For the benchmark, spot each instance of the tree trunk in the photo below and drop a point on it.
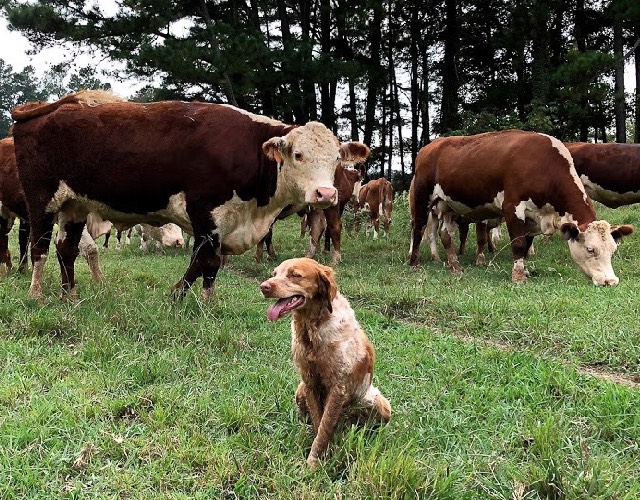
(326, 101)
(449, 116)
(637, 65)
(295, 111)
(353, 111)
(375, 37)
(579, 34)
(308, 85)
(413, 55)
(620, 108)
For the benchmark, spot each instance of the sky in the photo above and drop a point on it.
(14, 48)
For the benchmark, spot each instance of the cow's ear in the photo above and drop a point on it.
(619, 231)
(570, 231)
(354, 152)
(274, 148)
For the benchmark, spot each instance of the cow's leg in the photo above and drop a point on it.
(517, 234)
(89, 250)
(5, 256)
(67, 246)
(419, 221)
(463, 229)
(481, 241)
(431, 233)
(317, 224)
(106, 239)
(23, 242)
(206, 258)
(388, 209)
(334, 232)
(39, 239)
(303, 225)
(356, 218)
(260, 247)
(375, 222)
(448, 229)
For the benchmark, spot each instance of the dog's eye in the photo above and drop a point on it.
(273, 274)
(295, 274)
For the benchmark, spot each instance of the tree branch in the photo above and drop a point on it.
(632, 50)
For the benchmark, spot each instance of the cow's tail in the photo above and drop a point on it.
(84, 97)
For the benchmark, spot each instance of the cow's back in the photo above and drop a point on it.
(609, 171)
(133, 156)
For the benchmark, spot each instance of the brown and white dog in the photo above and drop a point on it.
(330, 350)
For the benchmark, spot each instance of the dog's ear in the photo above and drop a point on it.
(327, 288)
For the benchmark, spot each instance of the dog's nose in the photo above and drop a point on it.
(265, 288)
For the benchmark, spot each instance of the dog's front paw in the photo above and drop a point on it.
(312, 461)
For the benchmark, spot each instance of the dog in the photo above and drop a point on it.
(330, 350)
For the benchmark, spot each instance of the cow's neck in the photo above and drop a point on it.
(576, 207)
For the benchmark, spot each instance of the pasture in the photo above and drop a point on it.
(127, 394)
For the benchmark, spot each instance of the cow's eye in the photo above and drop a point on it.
(298, 156)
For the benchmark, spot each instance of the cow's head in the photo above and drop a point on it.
(172, 235)
(307, 158)
(593, 247)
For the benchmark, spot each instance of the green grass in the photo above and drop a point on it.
(127, 394)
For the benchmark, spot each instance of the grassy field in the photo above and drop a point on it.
(127, 394)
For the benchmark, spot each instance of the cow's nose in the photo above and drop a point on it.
(611, 281)
(327, 195)
(265, 288)
(179, 243)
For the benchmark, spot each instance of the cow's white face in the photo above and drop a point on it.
(172, 235)
(307, 158)
(593, 248)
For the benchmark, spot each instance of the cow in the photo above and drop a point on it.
(610, 172)
(317, 220)
(376, 196)
(169, 235)
(329, 220)
(221, 173)
(97, 227)
(13, 205)
(526, 177)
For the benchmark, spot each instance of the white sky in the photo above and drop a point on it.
(14, 47)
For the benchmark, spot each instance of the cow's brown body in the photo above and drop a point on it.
(610, 172)
(526, 177)
(329, 219)
(319, 220)
(377, 195)
(220, 173)
(12, 205)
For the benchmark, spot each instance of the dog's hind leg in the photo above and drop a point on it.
(330, 417)
(374, 407)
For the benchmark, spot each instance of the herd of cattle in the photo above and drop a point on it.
(92, 162)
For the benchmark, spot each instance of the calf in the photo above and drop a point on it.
(169, 235)
(526, 177)
(376, 196)
(220, 173)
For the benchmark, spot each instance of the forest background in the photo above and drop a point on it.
(392, 73)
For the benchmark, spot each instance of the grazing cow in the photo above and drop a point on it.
(97, 227)
(329, 220)
(610, 172)
(13, 204)
(220, 173)
(169, 235)
(376, 196)
(526, 177)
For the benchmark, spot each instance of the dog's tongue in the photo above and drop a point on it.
(282, 307)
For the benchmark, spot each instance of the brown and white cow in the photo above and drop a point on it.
(329, 220)
(526, 177)
(610, 172)
(376, 196)
(169, 235)
(317, 220)
(220, 173)
(13, 205)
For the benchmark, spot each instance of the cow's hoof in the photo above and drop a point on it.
(70, 295)
(207, 294)
(414, 261)
(519, 276)
(179, 290)
(481, 260)
(436, 258)
(456, 269)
